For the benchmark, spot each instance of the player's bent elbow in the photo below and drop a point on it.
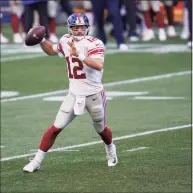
(51, 52)
(99, 65)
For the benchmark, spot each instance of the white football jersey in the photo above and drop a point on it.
(83, 80)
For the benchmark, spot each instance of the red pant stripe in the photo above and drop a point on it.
(103, 95)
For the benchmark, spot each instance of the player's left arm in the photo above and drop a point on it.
(93, 62)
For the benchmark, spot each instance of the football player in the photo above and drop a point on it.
(189, 5)
(52, 11)
(17, 13)
(84, 57)
(149, 34)
(3, 39)
(168, 4)
(185, 29)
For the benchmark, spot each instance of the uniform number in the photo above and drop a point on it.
(91, 39)
(76, 71)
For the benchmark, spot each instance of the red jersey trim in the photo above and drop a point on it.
(96, 51)
(59, 47)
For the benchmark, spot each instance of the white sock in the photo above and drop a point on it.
(110, 146)
(185, 20)
(40, 155)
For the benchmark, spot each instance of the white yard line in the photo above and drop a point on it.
(98, 142)
(129, 81)
(136, 149)
(157, 98)
(70, 150)
(143, 79)
(23, 57)
(28, 52)
(35, 150)
(35, 95)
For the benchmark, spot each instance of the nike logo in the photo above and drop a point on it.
(94, 99)
(34, 35)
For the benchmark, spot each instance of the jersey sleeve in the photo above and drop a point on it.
(96, 49)
(58, 49)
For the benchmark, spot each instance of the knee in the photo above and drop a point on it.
(97, 113)
(60, 122)
(58, 125)
(168, 3)
(144, 6)
(98, 118)
(53, 131)
(98, 126)
(156, 6)
(156, 9)
(52, 9)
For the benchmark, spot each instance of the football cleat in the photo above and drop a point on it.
(162, 34)
(189, 44)
(112, 159)
(23, 35)
(3, 39)
(148, 35)
(53, 38)
(171, 31)
(133, 38)
(32, 166)
(185, 34)
(17, 38)
(123, 47)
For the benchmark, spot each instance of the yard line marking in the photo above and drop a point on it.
(61, 150)
(98, 142)
(135, 48)
(143, 79)
(137, 148)
(109, 95)
(23, 57)
(70, 150)
(36, 95)
(6, 93)
(129, 81)
(156, 98)
(2, 146)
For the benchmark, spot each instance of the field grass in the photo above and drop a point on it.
(163, 164)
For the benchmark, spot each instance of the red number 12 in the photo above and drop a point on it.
(73, 73)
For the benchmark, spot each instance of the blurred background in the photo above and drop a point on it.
(119, 20)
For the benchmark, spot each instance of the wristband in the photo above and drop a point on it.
(43, 40)
(81, 57)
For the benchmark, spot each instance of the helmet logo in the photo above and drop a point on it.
(79, 19)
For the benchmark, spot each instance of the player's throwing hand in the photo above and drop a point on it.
(73, 51)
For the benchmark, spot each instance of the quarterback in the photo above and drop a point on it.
(84, 57)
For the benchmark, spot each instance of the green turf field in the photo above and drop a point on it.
(148, 110)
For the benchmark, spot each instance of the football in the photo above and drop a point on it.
(35, 35)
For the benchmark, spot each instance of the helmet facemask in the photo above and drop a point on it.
(78, 37)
